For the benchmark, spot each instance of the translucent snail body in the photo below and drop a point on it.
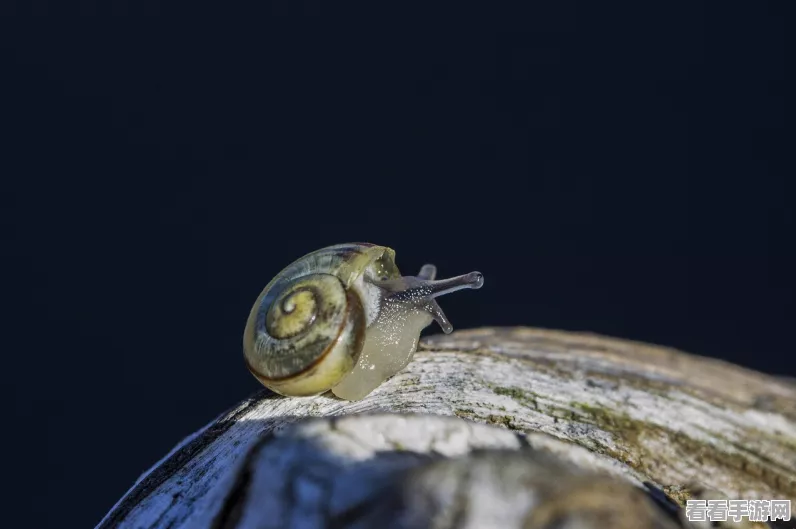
(342, 319)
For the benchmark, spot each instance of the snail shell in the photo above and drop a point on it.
(342, 318)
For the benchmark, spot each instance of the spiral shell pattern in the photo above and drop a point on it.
(307, 327)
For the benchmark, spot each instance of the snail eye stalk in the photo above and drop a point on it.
(420, 291)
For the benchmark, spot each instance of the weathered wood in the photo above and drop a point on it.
(488, 428)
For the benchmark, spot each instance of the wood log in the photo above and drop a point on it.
(492, 427)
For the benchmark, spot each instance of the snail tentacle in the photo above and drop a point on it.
(427, 272)
(422, 289)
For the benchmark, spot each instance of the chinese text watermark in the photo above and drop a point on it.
(737, 510)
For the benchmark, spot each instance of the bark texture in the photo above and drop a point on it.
(493, 427)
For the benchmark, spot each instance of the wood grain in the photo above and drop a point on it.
(493, 427)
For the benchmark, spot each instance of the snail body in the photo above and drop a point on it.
(343, 319)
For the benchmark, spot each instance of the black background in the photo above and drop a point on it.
(620, 170)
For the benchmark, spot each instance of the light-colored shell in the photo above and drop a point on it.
(307, 327)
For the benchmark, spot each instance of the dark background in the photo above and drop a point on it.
(621, 170)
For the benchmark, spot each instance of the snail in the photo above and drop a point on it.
(343, 319)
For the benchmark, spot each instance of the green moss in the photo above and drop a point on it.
(502, 420)
(514, 393)
(633, 436)
(524, 397)
(608, 420)
(464, 413)
(678, 493)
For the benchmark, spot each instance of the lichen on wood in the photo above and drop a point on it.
(482, 429)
